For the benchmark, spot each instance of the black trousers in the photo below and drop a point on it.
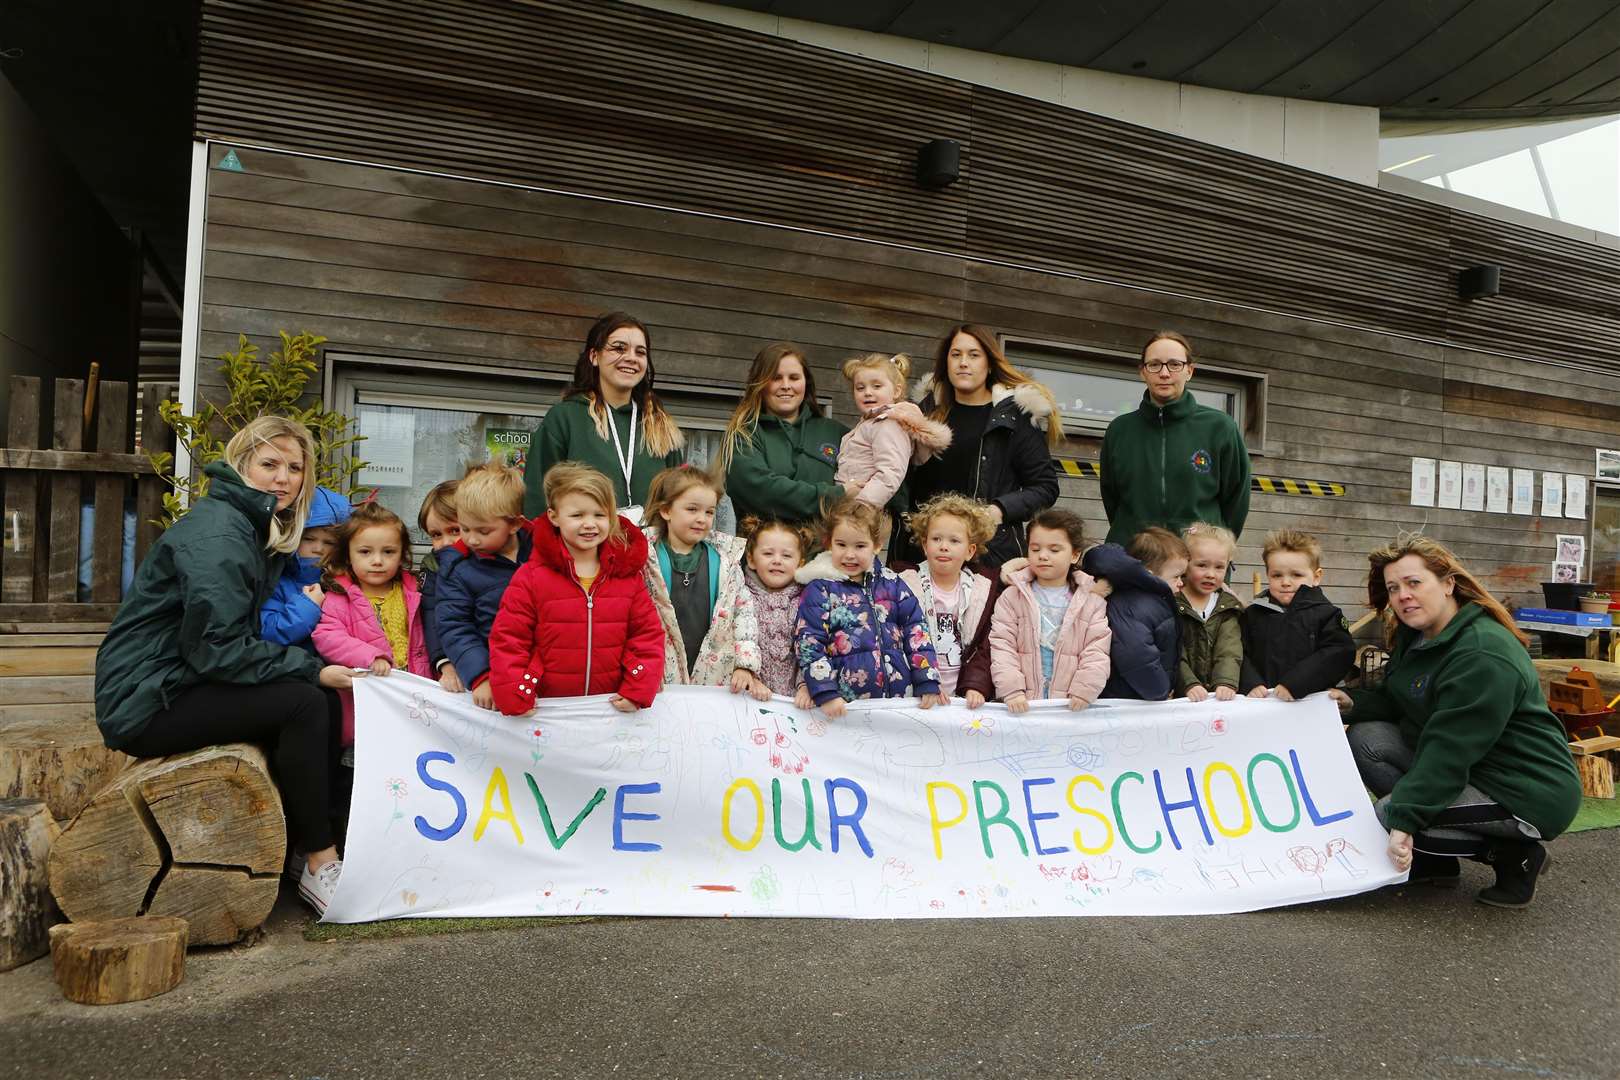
(296, 723)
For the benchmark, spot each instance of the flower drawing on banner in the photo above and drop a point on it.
(978, 724)
(422, 711)
(538, 738)
(397, 790)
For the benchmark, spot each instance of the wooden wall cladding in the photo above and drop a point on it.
(392, 264)
(626, 102)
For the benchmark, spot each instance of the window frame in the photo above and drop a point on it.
(1035, 354)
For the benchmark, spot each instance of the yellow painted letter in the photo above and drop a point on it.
(1237, 786)
(935, 823)
(497, 782)
(1080, 844)
(759, 815)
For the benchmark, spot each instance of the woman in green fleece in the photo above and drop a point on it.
(1458, 739)
(609, 418)
(780, 453)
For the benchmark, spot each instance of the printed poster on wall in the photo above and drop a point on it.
(389, 449)
(1449, 495)
(1473, 487)
(1574, 496)
(1552, 494)
(1422, 481)
(710, 803)
(1524, 491)
(508, 446)
(1496, 489)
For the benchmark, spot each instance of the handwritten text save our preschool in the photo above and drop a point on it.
(710, 803)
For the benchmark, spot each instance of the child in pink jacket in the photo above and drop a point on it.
(893, 434)
(1049, 635)
(371, 615)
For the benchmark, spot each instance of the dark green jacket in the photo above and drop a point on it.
(567, 433)
(192, 613)
(1173, 466)
(1211, 650)
(785, 469)
(1471, 706)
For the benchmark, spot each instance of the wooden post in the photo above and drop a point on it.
(26, 908)
(22, 496)
(106, 963)
(62, 580)
(107, 548)
(92, 383)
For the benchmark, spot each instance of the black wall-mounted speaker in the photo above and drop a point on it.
(1478, 281)
(939, 163)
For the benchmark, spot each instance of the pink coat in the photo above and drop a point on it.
(875, 455)
(1080, 666)
(349, 634)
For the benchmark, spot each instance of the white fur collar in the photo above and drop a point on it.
(1032, 398)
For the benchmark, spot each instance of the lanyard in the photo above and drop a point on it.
(624, 455)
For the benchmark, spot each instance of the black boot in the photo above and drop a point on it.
(1518, 864)
(1441, 871)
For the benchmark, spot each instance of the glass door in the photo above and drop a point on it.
(1604, 558)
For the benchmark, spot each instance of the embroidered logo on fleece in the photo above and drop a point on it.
(1201, 461)
(829, 452)
(1418, 685)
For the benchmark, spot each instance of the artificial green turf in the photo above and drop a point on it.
(1597, 814)
(396, 928)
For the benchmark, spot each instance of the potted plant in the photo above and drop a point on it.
(1595, 603)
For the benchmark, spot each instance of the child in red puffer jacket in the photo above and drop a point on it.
(576, 619)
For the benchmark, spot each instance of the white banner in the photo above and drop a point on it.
(710, 803)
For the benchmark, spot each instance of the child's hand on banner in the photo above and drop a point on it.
(623, 704)
(1196, 693)
(381, 666)
(928, 701)
(1076, 703)
(1224, 693)
(449, 681)
(834, 708)
(483, 696)
(1016, 703)
(974, 699)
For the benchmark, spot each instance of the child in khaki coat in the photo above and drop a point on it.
(1049, 635)
(1211, 631)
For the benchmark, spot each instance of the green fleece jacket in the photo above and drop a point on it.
(1211, 649)
(192, 612)
(1470, 704)
(785, 469)
(1173, 466)
(567, 433)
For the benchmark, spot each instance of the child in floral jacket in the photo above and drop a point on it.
(860, 631)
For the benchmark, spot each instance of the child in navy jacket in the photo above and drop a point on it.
(289, 615)
(475, 570)
(1142, 612)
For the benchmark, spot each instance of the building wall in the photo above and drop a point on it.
(461, 274)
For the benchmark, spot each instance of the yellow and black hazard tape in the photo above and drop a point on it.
(1269, 485)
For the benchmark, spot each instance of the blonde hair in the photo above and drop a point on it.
(669, 485)
(440, 500)
(1295, 541)
(1202, 531)
(366, 516)
(1000, 373)
(1154, 547)
(1442, 564)
(974, 514)
(744, 420)
(286, 526)
(897, 367)
(490, 491)
(857, 514)
(572, 478)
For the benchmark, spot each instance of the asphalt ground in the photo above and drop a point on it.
(1404, 982)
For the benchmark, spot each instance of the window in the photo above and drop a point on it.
(1094, 386)
(1603, 558)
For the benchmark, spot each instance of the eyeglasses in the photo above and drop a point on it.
(1174, 367)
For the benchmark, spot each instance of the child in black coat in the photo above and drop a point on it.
(1144, 579)
(1295, 641)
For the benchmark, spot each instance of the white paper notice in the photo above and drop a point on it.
(1423, 481)
(1524, 491)
(1450, 485)
(389, 449)
(1496, 489)
(1574, 495)
(1552, 494)
(1473, 487)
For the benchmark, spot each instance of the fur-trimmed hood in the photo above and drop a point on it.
(1032, 399)
(821, 568)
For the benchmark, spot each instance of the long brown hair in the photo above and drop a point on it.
(1001, 373)
(745, 417)
(1442, 564)
(367, 515)
(659, 431)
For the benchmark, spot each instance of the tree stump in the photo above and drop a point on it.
(197, 835)
(105, 963)
(54, 753)
(26, 909)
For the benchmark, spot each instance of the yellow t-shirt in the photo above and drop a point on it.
(396, 625)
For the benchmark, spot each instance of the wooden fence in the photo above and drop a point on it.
(91, 461)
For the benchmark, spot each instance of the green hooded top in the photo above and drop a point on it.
(1172, 466)
(1211, 649)
(1470, 704)
(192, 612)
(784, 469)
(567, 433)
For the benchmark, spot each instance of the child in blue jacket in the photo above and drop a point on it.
(475, 571)
(289, 616)
(860, 631)
(1144, 579)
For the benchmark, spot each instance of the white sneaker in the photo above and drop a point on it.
(320, 886)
